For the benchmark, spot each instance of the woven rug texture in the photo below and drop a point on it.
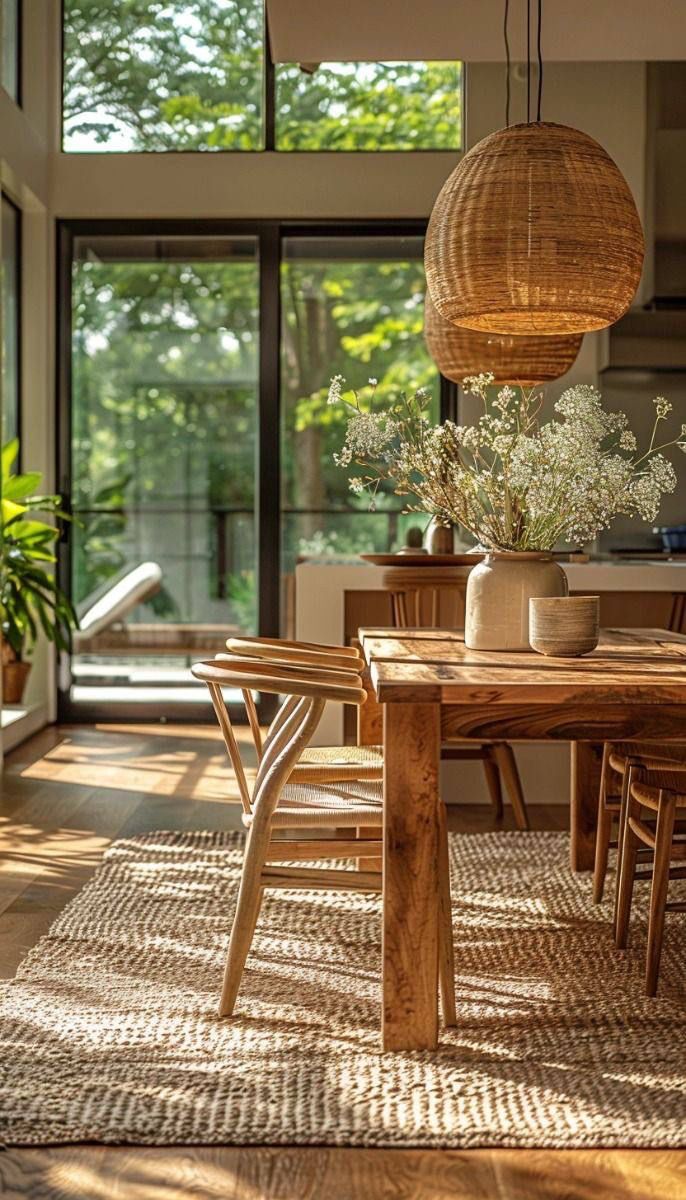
(109, 1032)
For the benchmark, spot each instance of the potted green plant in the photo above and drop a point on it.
(30, 599)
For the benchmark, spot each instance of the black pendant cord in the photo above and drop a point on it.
(528, 61)
(507, 61)
(540, 62)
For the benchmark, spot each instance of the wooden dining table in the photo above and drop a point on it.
(431, 687)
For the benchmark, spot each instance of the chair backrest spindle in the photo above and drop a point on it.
(231, 744)
(253, 721)
(306, 690)
(280, 757)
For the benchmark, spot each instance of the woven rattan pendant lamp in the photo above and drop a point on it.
(535, 232)
(459, 352)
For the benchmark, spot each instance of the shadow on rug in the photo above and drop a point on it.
(109, 1031)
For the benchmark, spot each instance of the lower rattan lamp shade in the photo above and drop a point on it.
(535, 231)
(459, 352)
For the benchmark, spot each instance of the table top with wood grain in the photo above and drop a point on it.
(640, 666)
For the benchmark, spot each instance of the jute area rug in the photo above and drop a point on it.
(109, 1033)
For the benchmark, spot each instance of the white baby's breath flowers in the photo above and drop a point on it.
(335, 389)
(513, 483)
(663, 407)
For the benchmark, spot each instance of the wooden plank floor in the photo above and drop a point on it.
(67, 794)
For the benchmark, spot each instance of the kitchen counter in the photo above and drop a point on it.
(321, 585)
(332, 596)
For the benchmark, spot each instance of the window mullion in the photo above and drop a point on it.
(268, 93)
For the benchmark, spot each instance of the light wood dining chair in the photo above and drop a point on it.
(275, 807)
(434, 597)
(618, 758)
(317, 764)
(662, 793)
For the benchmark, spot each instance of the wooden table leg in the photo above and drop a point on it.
(587, 761)
(410, 867)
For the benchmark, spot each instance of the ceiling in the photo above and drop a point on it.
(316, 31)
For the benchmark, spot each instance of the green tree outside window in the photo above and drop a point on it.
(164, 75)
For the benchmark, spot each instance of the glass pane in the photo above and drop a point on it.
(183, 75)
(165, 385)
(9, 59)
(369, 106)
(10, 320)
(355, 307)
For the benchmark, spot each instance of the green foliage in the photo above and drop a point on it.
(242, 592)
(165, 409)
(30, 599)
(369, 106)
(187, 75)
(164, 370)
(348, 317)
(163, 74)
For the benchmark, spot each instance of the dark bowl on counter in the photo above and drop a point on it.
(673, 537)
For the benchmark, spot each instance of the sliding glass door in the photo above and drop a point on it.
(163, 422)
(196, 441)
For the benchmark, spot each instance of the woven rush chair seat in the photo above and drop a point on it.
(361, 762)
(335, 804)
(652, 755)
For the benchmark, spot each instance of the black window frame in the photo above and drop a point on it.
(270, 236)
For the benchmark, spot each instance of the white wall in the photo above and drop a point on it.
(573, 30)
(24, 172)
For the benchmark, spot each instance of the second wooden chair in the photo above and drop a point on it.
(618, 758)
(429, 597)
(654, 801)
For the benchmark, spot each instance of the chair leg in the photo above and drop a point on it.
(658, 893)
(505, 758)
(603, 831)
(493, 782)
(627, 872)
(621, 832)
(446, 958)
(244, 922)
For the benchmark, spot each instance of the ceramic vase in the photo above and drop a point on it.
(439, 538)
(498, 592)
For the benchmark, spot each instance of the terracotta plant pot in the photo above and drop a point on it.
(14, 677)
(498, 592)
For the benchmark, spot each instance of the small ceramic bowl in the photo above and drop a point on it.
(564, 626)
